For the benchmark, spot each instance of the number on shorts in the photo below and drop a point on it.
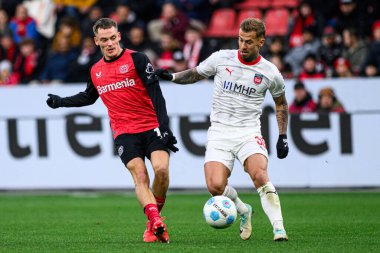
(260, 140)
(158, 132)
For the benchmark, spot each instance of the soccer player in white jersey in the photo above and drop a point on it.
(241, 80)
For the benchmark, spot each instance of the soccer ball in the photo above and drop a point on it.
(219, 212)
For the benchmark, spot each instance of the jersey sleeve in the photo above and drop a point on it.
(87, 97)
(144, 68)
(207, 68)
(277, 87)
(145, 71)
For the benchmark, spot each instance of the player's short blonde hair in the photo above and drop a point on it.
(253, 24)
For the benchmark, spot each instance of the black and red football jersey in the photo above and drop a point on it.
(130, 91)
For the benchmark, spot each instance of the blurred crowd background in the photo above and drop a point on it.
(51, 41)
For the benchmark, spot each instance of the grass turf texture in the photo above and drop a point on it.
(315, 222)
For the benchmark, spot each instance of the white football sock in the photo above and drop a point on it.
(231, 193)
(271, 205)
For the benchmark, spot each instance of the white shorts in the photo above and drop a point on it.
(224, 144)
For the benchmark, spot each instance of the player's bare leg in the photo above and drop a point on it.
(141, 179)
(160, 164)
(256, 166)
(145, 197)
(216, 175)
(217, 179)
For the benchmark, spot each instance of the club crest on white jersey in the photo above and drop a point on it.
(258, 78)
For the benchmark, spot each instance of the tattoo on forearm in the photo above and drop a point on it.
(282, 114)
(188, 76)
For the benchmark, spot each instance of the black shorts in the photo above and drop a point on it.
(129, 146)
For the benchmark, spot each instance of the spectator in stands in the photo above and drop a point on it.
(350, 16)
(89, 20)
(195, 49)
(69, 29)
(175, 21)
(372, 10)
(342, 68)
(194, 9)
(303, 101)
(328, 102)
(23, 26)
(108, 6)
(330, 50)
(10, 6)
(371, 66)
(297, 55)
(4, 23)
(27, 64)
(138, 41)
(327, 9)
(145, 10)
(282, 67)
(168, 46)
(77, 70)
(126, 19)
(8, 48)
(276, 47)
(172, 20)
(7, 77)
(55, 69)
(307, 18)
(180, 63)
(355, 49)
(311, 68)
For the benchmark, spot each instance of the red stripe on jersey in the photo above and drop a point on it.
(129, 106)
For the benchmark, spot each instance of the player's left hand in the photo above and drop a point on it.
(282, 146)
(168, 139)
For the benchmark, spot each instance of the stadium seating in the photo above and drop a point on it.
(243, 14)
(222, 23)
(254, 4)
(276, 21)
(284, 4)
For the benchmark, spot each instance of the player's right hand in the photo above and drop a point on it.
(164, 74)
(54, 101)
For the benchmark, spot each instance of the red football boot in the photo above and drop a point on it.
(159, 229)
(148, 234)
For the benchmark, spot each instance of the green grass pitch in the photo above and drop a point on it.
(111, 222)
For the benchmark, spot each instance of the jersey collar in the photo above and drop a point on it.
(248, 62)
(114, 59)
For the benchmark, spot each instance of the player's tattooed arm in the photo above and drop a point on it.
(188, 76)
(282, 113)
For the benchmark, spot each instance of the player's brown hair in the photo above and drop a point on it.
(103, 23)
(253, 24)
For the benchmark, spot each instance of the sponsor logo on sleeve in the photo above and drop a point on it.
(149, 71)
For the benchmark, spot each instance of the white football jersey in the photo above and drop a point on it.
(240, 87)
